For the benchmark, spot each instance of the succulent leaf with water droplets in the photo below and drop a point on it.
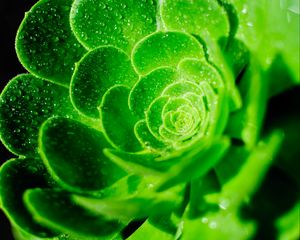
(145, 119)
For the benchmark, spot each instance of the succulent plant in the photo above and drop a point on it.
(148, 119)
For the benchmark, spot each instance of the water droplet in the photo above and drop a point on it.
(147, 144)
(250, 24)
(213, 225)
(224, 203)
(103, 5)
(55, 39)
(245, 10)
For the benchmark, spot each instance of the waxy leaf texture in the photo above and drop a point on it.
(154, 119)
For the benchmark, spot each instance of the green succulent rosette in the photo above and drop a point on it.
(147, 112)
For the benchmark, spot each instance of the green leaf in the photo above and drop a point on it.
(99, 70)
(141, 163)
(162, 49)
(279, 77)
(146, 138)
(196, 17)
(112, 22)
(56, 210)
(179, 89)
(195, 161)
(153, 116)
(73, 153)
(147, 229)
(200, 187)
(180, 119)
(197, 71)
(237, 56)
(25, 103)
(21, 235)
(225, 226)
(150, 87)
(277, 22)
(45, 43)
(252, 171)
(215, 56)
(231, 163)
(137, 207)
(288, 224)
(16, 176)
(246, 123)
(226, 223)
(117, 120)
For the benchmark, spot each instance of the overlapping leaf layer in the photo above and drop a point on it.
(142, 110)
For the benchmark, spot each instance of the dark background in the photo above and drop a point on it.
(11, 15)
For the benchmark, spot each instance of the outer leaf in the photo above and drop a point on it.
(96, 72)
(112, 22)
(225, 226)
(252, 172)
(20, 235)
(195, 162)
(25, 103)
(73, 154)
(231, 163)
(56, 210)
(288, 224)
(262, 22)
(246, 123)
(225, 223)
(137, 207)
(237, 56)
(149, 230)
(16, 176)
(45, 43)
(164, 49)
(141, 163)
(117, 120)
(279, 76)
(198, 17)
(200, 187)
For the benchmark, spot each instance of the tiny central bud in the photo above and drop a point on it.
(183, 122)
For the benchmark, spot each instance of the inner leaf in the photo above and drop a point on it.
(97, 71)
(165, 49)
